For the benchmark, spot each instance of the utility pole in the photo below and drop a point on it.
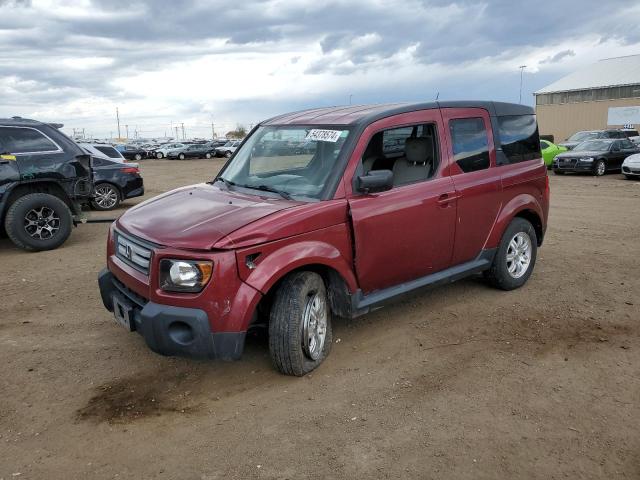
(521, 67)
(127, 130)
(213, 132)
(183, 137)
(118, 118)
(350, 97)
(177, 138)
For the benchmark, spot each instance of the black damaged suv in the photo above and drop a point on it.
(45, 178)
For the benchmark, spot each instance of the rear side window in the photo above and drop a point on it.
(25, 140)
(470, 144)
(519, 137)
(109, 152)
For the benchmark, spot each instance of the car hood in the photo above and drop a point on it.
(633, 159)
(196, 217)
(573, 154)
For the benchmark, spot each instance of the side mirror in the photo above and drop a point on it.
(375, 181)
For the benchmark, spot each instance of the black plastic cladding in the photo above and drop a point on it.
(367, 114)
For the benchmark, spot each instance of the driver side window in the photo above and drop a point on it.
(410, 152)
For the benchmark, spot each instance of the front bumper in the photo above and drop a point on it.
(631, 170)
(170, 330)
(573, 166)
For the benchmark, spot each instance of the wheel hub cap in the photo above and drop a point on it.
(106, 197)
(519, 255)
(41, 223)
(314, 325)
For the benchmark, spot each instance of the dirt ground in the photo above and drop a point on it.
(461, 382)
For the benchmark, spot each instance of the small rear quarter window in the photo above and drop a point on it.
(519, 138)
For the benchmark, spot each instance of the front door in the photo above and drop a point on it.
(406, 232)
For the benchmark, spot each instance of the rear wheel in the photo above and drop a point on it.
(227, 154)
(107, 197)
(181, 156)
(159, 155)
(600, 168)
(300, 332)
(38, 221)
(138, 156)
(516, 256)
(207, 155)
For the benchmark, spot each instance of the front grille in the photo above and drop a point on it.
(130, 294)
(134, 252)
(567, 162)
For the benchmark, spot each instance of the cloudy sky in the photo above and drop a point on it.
(164, 63)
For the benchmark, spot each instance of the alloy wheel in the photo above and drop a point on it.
(519, 255)
(41, 223)
(106, 196)
(314, 326)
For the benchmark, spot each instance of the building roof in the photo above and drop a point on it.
(610, 72)
(365, 114)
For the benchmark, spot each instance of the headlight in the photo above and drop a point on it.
(587, 159)
(184, 275)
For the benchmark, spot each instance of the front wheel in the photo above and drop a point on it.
(159, 155)
(207, 155)
(600, 168)
(227, 154)
(516, 256)
(138, 156)
(38, 221)
(300, 332)
(181, 156)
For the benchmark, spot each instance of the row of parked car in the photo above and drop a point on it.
(180, 150)
(595, 151)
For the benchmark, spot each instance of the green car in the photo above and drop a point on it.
(549, 151)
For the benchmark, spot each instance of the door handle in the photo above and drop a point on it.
(446, 198)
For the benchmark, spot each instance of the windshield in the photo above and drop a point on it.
(581, 136)
(289, 160)
(593, 146)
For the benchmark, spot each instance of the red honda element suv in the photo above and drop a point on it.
(330, 212)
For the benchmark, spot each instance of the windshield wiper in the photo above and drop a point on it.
(266, 188)
(228, 183)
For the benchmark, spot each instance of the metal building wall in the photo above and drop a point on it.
(563, 120)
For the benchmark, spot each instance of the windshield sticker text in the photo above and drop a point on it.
(317, 135)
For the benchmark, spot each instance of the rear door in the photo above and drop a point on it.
(477, 183)
(9, 172)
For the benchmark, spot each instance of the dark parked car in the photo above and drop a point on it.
(133, 153)
(191, 151)
(45, 177)
(290, 241)
(114, 182)
(595, 156)
(583, 136)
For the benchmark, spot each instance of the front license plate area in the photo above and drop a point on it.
(123, 312)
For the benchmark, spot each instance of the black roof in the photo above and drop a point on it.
(366, 114)
(25, 122)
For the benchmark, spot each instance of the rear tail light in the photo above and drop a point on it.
(130, 170)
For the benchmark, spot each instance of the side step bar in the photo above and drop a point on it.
(361, 304)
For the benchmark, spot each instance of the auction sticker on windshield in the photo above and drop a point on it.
(317, 135)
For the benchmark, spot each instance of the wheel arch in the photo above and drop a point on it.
(522, 206)
(48, 187)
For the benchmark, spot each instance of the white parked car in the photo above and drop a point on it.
(163, 150)
(631, 166)
(102, 150)
(227, 149)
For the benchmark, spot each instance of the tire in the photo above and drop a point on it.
(181, 156)
(159, 156)
(207, 155)
(558, 172)
(600, 168)
(300, 294)
(500, 275)
(227, 154)
(138, 156)
(32, 236)
(108, 197)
